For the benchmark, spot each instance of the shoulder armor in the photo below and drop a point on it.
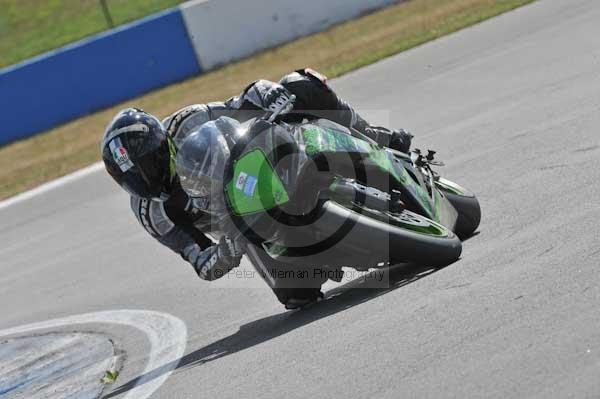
(184, 121)
(152, 216)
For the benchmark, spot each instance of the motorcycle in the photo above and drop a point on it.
(320, 195)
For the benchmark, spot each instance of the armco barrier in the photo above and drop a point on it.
(225, 30)
(94, 73)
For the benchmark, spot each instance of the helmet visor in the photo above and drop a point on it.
(201, 162)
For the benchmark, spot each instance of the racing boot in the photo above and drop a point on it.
(304, 298)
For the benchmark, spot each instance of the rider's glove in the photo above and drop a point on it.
(217, 260)
(401, 140)
(275, 98)
(231, 248)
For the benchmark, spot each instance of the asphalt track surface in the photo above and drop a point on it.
(513, 106)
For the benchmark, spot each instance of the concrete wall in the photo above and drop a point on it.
(225, 30)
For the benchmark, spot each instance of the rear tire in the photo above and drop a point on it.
(404, 237)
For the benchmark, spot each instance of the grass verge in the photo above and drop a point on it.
(31, 27)
(27, 163)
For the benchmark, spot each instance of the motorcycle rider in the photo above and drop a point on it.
(139, 153)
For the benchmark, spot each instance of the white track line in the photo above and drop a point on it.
(167, 335)
(51, 185)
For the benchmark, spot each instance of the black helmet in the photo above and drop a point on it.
(138, 154)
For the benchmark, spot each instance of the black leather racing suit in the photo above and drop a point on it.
(178, 225)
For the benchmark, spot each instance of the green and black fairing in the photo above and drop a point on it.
(272, 178)
(276, 173)
(260, 178)
(385, 171)
(278, 170)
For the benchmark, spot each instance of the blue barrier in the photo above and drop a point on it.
(94, 73)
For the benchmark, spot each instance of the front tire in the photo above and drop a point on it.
(466, 204)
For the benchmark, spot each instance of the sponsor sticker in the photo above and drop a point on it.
(277, 196)
(120, 155)
(250, 186)
(241, 180)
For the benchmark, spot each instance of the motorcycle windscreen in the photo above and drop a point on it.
(201, 161)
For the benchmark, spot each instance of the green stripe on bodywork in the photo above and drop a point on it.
(319, 139)
(268, 192)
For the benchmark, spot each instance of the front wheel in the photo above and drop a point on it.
(465, 203)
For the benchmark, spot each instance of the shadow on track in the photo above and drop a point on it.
(262, 330)
(467, 238)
